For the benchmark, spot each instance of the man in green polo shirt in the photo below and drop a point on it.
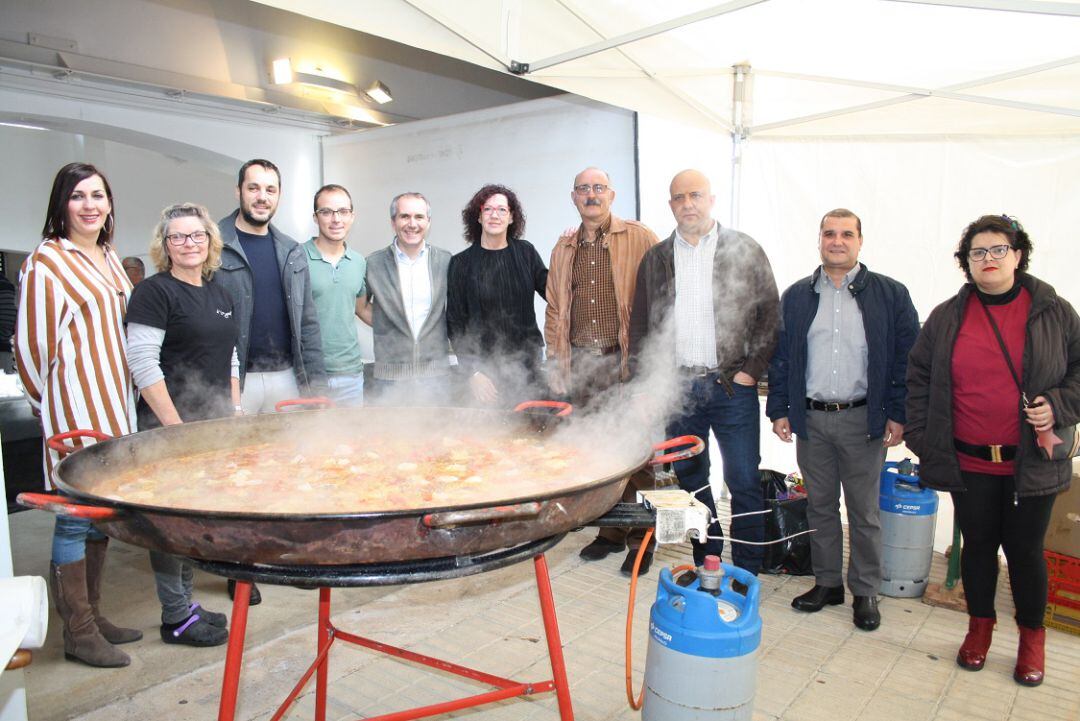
(337, 282)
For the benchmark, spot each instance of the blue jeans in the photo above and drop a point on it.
(735, 422)
(346, 389)
(69, 539)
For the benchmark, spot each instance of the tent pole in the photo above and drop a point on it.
(740, 122)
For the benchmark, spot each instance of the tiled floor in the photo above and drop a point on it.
(810, 666)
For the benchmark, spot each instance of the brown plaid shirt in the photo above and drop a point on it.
(594, 314)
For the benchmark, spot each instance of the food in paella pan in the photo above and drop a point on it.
(376, 473)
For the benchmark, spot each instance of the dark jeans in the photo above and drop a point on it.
(735, 422)
(990, 516)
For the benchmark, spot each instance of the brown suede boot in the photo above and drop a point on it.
(82, 639)
(95, 569)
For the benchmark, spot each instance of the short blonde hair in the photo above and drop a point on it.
(160, 255)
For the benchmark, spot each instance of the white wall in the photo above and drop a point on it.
(151, 157)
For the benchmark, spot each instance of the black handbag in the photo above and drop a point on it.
(1058, 444)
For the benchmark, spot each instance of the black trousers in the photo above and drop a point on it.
(991, 516)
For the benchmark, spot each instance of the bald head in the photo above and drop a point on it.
(691, 204)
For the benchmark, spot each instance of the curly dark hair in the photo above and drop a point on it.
(1002, 224)
(470, 216)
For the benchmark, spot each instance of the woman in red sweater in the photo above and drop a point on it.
(993, 366)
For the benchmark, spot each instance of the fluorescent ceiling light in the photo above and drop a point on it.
(24, 126)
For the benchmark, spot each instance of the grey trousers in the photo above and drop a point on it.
(837, 454)
(175, 580)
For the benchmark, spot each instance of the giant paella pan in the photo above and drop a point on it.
(349, 486)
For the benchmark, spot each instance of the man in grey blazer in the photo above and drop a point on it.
(406, 308)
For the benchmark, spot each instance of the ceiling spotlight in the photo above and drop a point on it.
(282, 71)
(379, 93)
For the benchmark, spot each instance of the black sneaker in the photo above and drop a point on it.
(600, 548)
(212, 617)
(194, 631)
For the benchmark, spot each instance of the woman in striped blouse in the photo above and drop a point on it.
(71, 354)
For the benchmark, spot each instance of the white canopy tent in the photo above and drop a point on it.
(918, 115)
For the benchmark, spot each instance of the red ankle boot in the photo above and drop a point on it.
(1031, 658)
(972, 653)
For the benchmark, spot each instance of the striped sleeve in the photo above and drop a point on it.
(41, 306)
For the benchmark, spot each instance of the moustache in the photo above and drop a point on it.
(592, 201)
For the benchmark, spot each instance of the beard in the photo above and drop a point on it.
(252, 220)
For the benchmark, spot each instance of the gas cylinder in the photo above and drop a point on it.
(701, 662)
(908, 517)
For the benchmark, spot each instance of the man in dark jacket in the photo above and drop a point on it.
(837, 382)
(712, 289)
(266, 273)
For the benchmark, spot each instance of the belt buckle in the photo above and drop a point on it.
(995, 454)
(834, 407)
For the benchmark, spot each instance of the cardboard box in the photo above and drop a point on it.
(1063, 534)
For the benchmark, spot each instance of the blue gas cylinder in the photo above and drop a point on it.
(701, 664)
(908, 519)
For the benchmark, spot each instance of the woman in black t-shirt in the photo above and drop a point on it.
(490, 312)
(182, 354)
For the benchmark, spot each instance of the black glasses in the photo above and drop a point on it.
(584, 188)
(327, 213)
(997, 252)
(198, 237)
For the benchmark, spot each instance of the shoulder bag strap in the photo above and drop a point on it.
(1005, 352)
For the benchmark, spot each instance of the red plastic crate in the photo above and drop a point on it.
(1063, 597)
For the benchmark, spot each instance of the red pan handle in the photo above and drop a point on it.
(318, 401)
(57, 442)
(696, 446)
(565, 409)
(64, 506)
(530, 509)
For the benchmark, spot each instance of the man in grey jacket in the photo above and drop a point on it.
(406, 308)
(266, 273)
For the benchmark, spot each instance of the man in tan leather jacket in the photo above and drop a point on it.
(590, 290)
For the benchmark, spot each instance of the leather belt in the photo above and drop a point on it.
(594, 350)
(994, 454)
(813, 405)
(698, 371)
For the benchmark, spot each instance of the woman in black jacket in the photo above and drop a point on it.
(995, 365)
(490, 312)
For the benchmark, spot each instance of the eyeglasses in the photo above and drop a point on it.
(500, 212)
(997, 252)
(584, 188)
(327, 213)
(198, 237)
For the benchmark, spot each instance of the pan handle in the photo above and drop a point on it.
(318, 402)
(565, 409)
(64, 506)
(472, 516)
(57, 444)
(696, 446)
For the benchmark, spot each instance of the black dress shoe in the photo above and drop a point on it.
(818, 598)
(255, 598)
(628, 563)
(600, 548)
(867, 617)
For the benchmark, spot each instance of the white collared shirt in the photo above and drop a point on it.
(695, 327)
(415, 280)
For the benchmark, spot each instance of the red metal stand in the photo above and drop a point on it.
(326, 634)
